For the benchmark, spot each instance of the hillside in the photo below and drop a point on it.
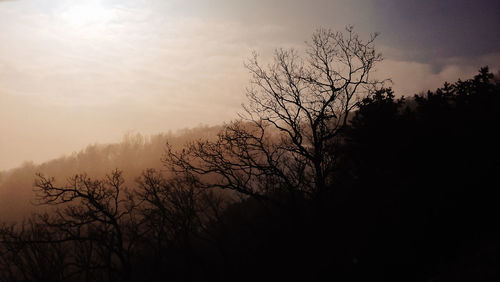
(132, 155)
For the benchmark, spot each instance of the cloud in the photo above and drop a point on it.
(412, 77)
(433, 32)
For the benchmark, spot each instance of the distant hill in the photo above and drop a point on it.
(132, 155)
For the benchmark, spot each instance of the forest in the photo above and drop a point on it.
(326, 176)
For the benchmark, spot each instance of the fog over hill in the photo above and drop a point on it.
(132, 155)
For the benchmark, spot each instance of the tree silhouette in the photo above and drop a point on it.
(31, 251)
(298, 105)
(100, 230)
(418, 173)
(96, 212)
(176, 218)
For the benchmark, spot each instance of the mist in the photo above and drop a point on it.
(75, 74)
(133, 154)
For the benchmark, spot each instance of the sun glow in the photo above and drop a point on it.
(87, 13)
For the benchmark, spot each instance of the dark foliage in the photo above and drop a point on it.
(421, 177)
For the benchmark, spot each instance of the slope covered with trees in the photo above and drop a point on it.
(133, 154)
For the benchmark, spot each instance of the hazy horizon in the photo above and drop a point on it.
(73, 73)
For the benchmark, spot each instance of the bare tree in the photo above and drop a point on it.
(176, 214)
(287, 138)
(97, 216)
(171, 211)
(99, 230)
(30, 251)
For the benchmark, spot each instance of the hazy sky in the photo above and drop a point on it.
(80, 72)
